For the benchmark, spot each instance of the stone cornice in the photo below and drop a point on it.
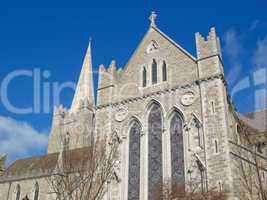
(211, 56)
(166, 90)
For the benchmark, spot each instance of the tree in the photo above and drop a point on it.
(82, 174)
(250, 164)
(176, 191)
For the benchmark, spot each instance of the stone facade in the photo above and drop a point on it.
(193, 88)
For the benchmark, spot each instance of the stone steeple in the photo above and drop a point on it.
(84, 94)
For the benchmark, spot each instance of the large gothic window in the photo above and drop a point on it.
(36, 191)
(177, 149)
(144, 77)
(134, 162)
(155, 129)
(164, 71)
(154, 72)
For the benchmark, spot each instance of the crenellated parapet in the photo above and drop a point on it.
(209, 46)
(107, 83)
(209, 55)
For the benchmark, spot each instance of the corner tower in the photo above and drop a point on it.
(215, 113)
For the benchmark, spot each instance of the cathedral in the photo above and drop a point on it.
(172, 114)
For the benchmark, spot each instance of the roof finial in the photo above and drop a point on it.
(153, 18)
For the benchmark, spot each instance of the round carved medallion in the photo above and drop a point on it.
(121, 114)
(188, 99)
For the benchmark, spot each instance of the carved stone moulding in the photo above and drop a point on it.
(188, 98)
(121, 114)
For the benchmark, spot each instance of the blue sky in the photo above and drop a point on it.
(53, 36)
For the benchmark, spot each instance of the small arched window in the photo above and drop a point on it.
(36, 191)
(144, 77)
(164, 71)
(154, 72)
(18, 192)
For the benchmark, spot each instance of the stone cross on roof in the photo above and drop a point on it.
(153, 18)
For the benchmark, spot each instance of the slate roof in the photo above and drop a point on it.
(34, 163)
(39, 166)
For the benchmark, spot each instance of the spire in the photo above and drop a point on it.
(153, 18)
(84, 90)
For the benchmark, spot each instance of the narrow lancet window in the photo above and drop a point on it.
(134, 162)
(154, 72)
(164, 71)
(144, 77)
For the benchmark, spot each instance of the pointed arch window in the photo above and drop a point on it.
(164, 71)
(18, 192)
(36, 191)
(144, 77)
(134, 162)
(155, 130)
(177, 149)
(154, 72)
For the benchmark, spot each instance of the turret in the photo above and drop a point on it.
(209, 54)
(215, 113)
(55, 140)
(107, 84)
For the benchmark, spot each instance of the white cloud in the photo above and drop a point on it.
(254, 25)
(260, 56)
(233, 49)
(232, 44)
(19, 139)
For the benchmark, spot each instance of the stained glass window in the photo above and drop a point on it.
(155, 130)
(144, 77)
(154, 72)
(164, 71)
(177, 149)
(134, 162)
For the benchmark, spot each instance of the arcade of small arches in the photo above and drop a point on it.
(155, 129)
